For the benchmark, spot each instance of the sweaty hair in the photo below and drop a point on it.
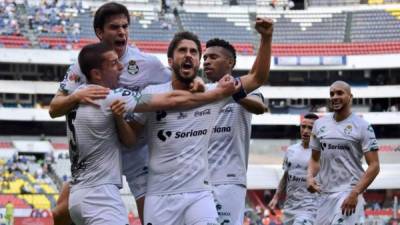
(106, 11)
(311, 116)
(216, 42)
(91, 57)
(178, 37)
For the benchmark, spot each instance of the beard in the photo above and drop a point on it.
(186, 80)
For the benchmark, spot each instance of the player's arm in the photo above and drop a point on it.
(350, 203)
(259, 72)
(312, 171)
(60, 212)
(179, 99)
(126, 134)
(253, 104)
(62, 103)
(280, 191)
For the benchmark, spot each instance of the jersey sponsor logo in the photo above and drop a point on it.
(202, 113)
(348, 129)
(221, 129)
(228, 109)
(163, 135)
(296, 179)
(182, 115)
(160, 115)
(133, 68)
(191, 133)
(326, 146)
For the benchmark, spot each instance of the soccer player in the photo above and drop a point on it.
(95, 151)
(228, 150)
(111, 25)
(338, 143)
(178, 190)
(300, 206)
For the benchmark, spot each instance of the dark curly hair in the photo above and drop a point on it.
(216, 42)
(178, 37)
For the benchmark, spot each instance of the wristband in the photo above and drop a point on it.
(241, 94)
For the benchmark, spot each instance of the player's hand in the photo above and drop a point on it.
(228, 85)
(274, 201)
(197, 85)
(265, 27)
(312, 186)
(89, 94)
(118, 109)
(349, 204)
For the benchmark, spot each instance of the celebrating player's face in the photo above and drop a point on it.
(186, 60)
(340, 97)
(305, 129)
(115, 32)
(216, 63)
(111, 69)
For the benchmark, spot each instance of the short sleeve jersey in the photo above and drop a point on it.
(228, 152)
(342, 145)
(295, 163)
(178, 143)
(140, 70)
(95, 148)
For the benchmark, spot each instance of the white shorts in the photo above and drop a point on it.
(134, 164)
(330, 213)
(194, 208)
(99, 205)
(299, 218)
(230, 202)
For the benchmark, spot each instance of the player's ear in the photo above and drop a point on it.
(99, 33)
(95, 76)
(170, 61)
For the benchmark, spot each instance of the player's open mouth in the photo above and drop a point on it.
(119, 43)
(188, 65)
(208, 70)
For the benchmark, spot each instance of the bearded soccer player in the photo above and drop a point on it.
(338, 143)
(179, 190)
(300, 206)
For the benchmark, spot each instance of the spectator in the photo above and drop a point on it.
(9, 216)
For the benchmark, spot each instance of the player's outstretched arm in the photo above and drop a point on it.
(260, 71)
(280, 191)
(312, 171)
(179, 99)
(126, 133)
(350, 203)
(253, 104)
(61, 104)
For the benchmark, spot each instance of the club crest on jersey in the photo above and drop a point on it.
(348, 129)
(133, 68)
(74, 77)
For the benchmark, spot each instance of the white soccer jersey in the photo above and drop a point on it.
(342, 145)
(295, 163)
(228, 152)
(140, 70)
(178, 143)
(95, 148)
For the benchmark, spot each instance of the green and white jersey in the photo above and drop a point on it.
(295, 163)
(95, 149)
(342, 145)
(178, 143)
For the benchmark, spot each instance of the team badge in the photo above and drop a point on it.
(348, 129)
(133, 68)
(74, 77)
